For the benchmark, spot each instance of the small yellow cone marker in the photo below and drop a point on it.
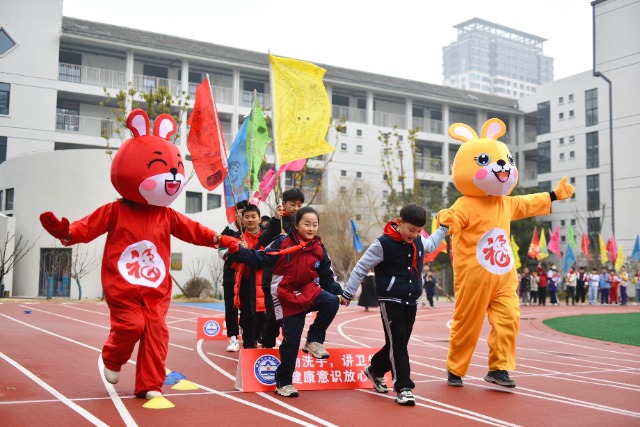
(159, 402)
(167, 371)
(185, 385)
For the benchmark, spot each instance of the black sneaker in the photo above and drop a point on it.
(405, 398)
(500, 377)
(379, 383)
(454, 380)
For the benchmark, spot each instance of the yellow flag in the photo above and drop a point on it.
(603, 251)
(544, 252)
(619, 258)
(516, 256)
(301, 109)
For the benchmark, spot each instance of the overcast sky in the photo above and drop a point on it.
(401, 38)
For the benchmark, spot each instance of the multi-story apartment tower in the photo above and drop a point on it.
(492, 58)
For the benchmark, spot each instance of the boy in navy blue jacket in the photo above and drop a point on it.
(396, 258)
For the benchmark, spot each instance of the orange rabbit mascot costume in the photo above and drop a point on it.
(148, 172)
(485, 279)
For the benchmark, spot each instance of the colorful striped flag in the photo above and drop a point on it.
(534, 246)
(516, 256)
(543, 253)
(554, 242)
(572, 237)
(584, 245)
(635, 254)
(603, 251)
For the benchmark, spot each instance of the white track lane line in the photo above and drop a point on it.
(127, 415)
(319, 420)
(115, 398)
(72, 405)
(455, 410)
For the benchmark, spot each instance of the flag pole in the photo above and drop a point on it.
(276, 161)
(252, 116)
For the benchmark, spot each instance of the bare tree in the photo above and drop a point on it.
(11, 253)
(216, 267)
(82, 264)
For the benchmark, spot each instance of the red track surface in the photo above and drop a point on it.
(49, 361)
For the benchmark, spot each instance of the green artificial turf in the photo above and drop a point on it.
(623, 328)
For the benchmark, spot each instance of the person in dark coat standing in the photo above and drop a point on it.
(368, 297)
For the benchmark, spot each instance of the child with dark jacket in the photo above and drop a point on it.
(396, 258)
(302, 281)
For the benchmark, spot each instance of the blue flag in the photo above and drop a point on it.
(236, 182)
(355, 238)
(635, 255)
(569, 259)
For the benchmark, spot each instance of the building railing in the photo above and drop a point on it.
(428, 164)
(389, 120)
(428, 125)
(142, 83)
(222, 95)
(83, 125)
(350, 114)
(246, 99)
(92, 76)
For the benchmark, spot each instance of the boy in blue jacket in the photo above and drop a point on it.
(396, 258)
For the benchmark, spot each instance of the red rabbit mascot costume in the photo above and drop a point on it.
(485, 279)
(148, 172)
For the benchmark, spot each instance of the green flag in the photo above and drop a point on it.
(572, 237)
(259, 139)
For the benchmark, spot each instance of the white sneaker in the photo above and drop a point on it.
(234, 345)
(316, 349)
(151, 394)
(111, 376)
(287, 391)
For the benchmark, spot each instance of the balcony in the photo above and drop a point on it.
(389, 120)
(530, 174)
(92, 76)
(222, 95)
(356, 115)
(247, 99)
(142, 83)
(82, 125)
(428, 125)
(428, 164)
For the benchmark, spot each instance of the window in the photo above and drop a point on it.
(6, 42)
(385, 193)
(343, 189)
(358, 174)
(562, 223)
(194, 202)
(3, 152)
(1, 197)
(571, 114)
(571, 98)
(70, 66)
(151, 75)
(543, 118)
(68, 116)
(593, 192)
(176, 261)
(593, 228)
(359, 149)
(5, 91)
(572, 138)
(544, 186)
(544, 157)
(561, 116)
(343, 147)
(8, 202)
(572, 154)
(593, 155)
(561, 141)
(359, 132)
(343, 173)
(214, 201)
(358, 190)
(563, 238)
(591, 107)
(573, 221)
(561, 100)
(561, 156)
(55, 277)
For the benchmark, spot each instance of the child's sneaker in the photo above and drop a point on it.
(405, 398)
(112, 377)
(379, 383)
(287, 391)
(454, 380)
(234, 345)
(316, 349)
(500, 377)
(151, 394)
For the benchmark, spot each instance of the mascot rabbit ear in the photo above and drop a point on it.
(138, 123)
(164, 126)
(462, 132)
(493, 129)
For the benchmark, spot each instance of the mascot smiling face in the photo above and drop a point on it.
(148, 168)
(483, 166)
